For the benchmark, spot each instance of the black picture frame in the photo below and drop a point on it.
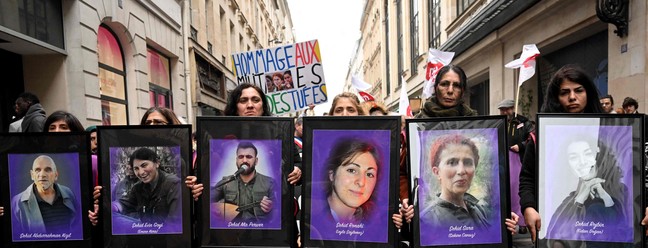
(593, 146)
(71, 153)
(218, 139)
(484, 188)
(131, 224)
(324, 136)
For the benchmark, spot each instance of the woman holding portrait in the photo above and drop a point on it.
(450, 87)
(570, 90)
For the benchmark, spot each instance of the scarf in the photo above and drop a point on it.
(433, 109)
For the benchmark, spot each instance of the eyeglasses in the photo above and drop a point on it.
(155, 122)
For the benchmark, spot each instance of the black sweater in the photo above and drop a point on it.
(528, 178)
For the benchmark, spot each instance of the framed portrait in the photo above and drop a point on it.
(590, 180)
(45, 183)
(460, 180)
(351, 189)
(144, 199)
(244, 164)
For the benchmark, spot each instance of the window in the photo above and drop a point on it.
(462, 6)
(414, 35)
(39, 19)
(399, 31)
(112, 79)
(159, 77)
(434, 23)
(479, 99)
(211, 79)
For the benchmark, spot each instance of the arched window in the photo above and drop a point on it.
(159, 79)
(112, 79)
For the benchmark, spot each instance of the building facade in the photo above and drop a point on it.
(486, 34)
(220, 28)
(108, 61)
(105, 61)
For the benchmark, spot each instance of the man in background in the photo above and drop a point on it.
(630, 105)
(517, 128)
(607, 103)
(29, 106)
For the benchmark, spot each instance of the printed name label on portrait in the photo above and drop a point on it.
(244, 224)
(462, 232)
(349, 229)
(589, 227)
(45, 235)
(147, 228)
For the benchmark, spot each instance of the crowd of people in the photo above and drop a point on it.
(569, 91)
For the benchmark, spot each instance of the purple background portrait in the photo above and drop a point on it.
(67, 164)
(487, 172)
(125, 225)
(618, 140)
(375, 224)
(222, 162)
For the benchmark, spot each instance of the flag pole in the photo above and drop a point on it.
(517, 98)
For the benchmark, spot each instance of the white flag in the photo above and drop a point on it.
(436, 60)
(403, 104)
(526, 63)
(359, 84)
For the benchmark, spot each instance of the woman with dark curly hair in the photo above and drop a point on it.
(61, 121)
(352, 172)
(570, 90)
(247, 100)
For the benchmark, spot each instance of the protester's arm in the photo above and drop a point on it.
(527, 190)
(402, 173)
(524, 136)
(295, 177)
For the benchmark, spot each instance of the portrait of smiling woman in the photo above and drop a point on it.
(599, 195)
(352, 170)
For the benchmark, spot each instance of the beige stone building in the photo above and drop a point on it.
(104, 61)
(220, 28)
(486, 34)
(107, 61)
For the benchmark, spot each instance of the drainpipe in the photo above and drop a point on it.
(187, 68)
